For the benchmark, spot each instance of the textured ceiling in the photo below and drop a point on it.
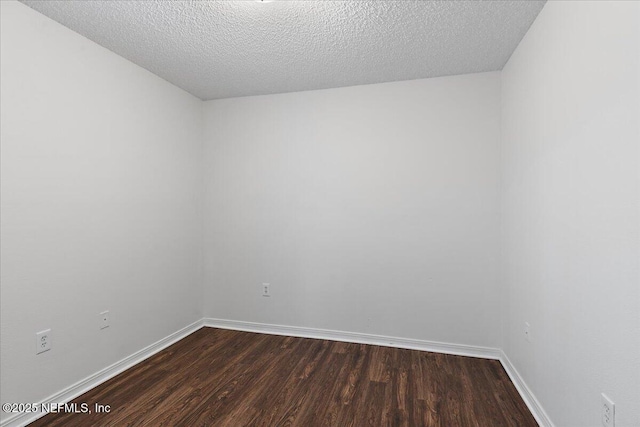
(221, 49)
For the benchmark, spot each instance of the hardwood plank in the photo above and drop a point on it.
(230, 378)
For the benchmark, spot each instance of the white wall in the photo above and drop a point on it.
(571, 210)
(101, 205)
(369, 209)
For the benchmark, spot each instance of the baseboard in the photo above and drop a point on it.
(525, 392)
(105, 374)
(413, 344)
(356, 337)
(109, 372)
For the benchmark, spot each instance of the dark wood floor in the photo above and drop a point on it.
(216, 377)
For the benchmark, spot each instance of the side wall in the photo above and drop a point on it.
(101, 205)
(369, 209)
(571, 210)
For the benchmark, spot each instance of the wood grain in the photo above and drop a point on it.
(216, 377)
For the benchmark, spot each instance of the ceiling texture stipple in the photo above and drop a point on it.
(223, 49)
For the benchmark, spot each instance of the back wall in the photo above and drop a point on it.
(368, 209)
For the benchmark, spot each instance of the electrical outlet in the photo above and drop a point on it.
(104, 319)
(527, 331)
(608, 412)
(43, 341)
(266, 291)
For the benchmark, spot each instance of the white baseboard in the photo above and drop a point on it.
(71, 392)
(356, 337)
(525, 392)
(99, 377)
(413, 344)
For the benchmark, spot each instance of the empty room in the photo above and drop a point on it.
(320, 213)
